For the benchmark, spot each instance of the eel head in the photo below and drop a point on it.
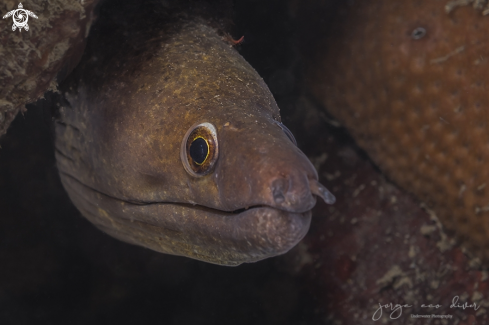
(178, 146)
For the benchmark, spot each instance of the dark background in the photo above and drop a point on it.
(375, 245)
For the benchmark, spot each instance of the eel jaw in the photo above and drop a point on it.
(210, 235)
(215, 236)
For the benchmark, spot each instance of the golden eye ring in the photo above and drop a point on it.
(200, 149)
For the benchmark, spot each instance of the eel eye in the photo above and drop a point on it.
(287, 133)
(199, 149)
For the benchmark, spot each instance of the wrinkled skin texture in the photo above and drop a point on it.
(118, 148)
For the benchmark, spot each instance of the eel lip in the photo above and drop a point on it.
(210, 235)
(263, 232)
(225, 238)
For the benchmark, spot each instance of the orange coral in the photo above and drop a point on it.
(409, 81)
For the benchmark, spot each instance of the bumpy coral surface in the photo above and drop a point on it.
(378, 245)
(409, 81)
(31, 59)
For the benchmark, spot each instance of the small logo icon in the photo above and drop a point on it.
(20, 16)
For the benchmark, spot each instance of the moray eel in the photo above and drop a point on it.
(409, 80)
(170, 140)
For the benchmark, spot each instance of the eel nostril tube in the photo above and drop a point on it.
(321, 191)
(279, 188)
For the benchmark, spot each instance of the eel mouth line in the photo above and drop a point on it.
(211, 235)
(316, 188)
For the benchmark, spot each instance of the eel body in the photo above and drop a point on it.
(169, 139)
(410, 83)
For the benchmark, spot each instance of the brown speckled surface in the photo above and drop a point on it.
(417, 106)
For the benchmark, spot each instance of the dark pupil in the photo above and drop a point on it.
(199, 150)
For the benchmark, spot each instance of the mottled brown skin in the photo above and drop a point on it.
(118, 146)
(418, 106)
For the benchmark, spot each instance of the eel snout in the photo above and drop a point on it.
(297, 192)
(267, 169)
